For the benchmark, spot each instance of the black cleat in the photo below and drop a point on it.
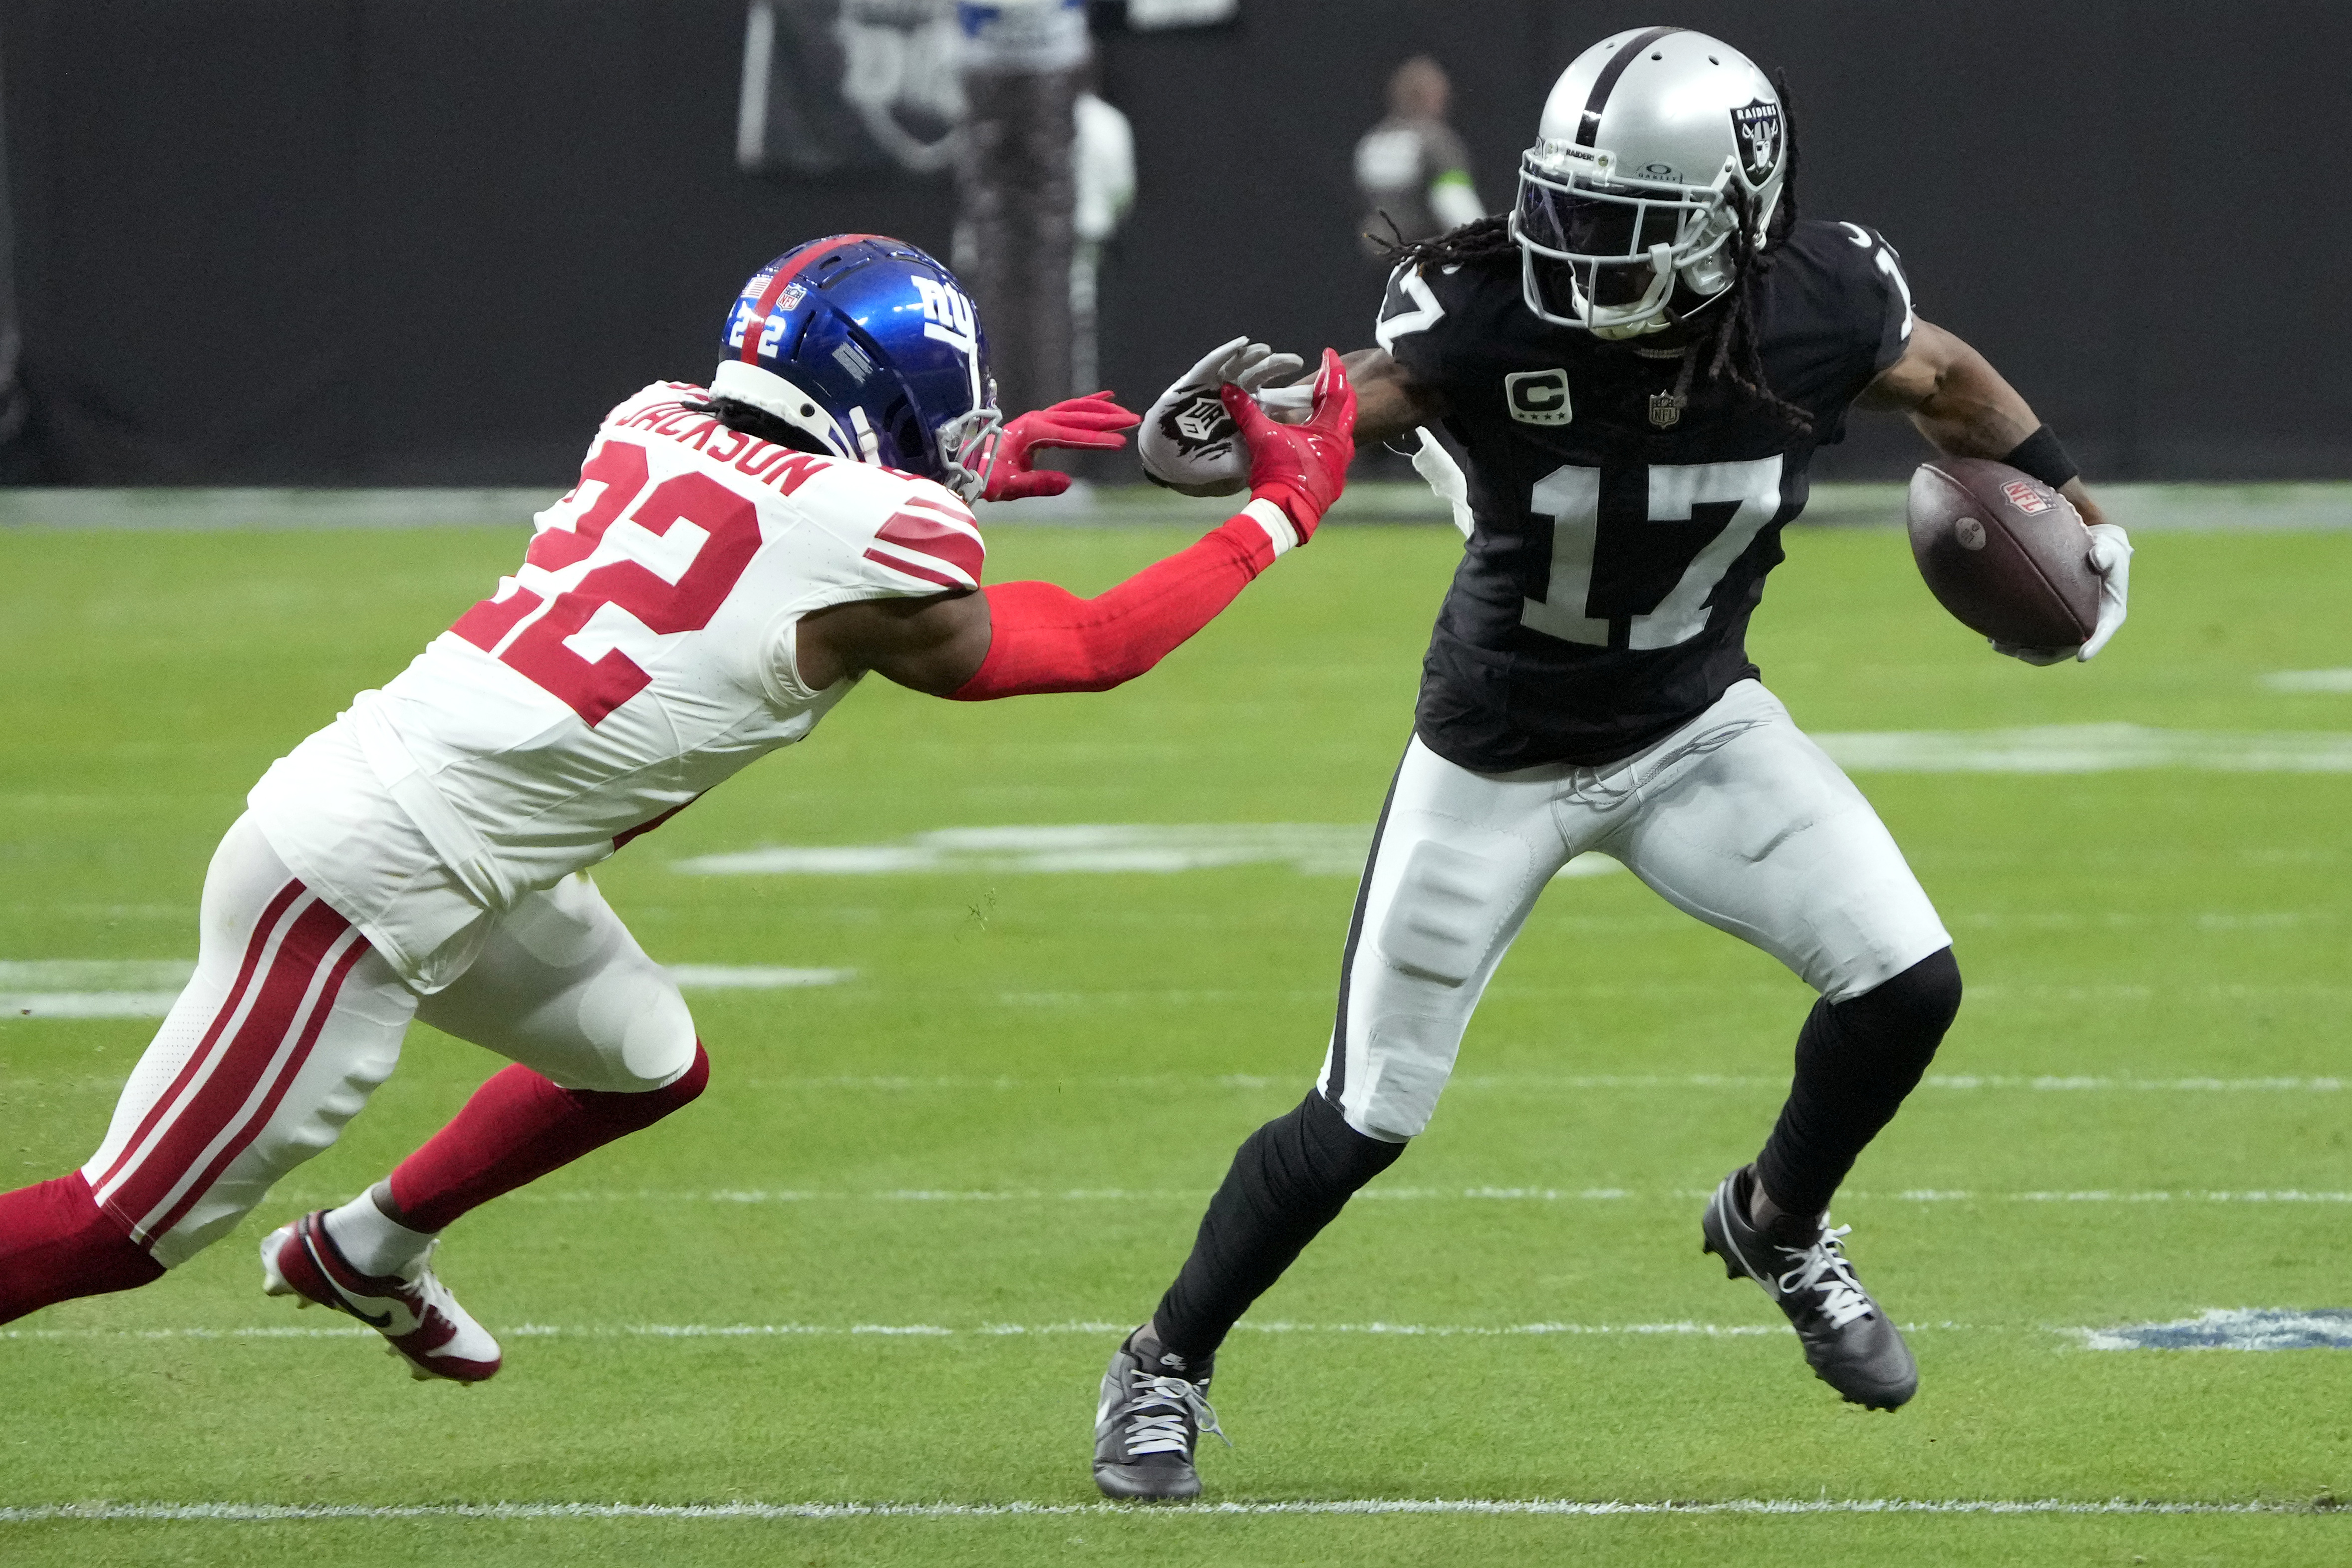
(1150, 1417)
(1849, 1342)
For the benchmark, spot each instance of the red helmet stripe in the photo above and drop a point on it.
(785, 275)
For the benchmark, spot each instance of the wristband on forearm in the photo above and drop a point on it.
(2042, 456)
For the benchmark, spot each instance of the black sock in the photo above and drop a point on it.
(1289, 1179)
(1856, 1061)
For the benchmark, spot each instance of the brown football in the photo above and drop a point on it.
(2004, 552)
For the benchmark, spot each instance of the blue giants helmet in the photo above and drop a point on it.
(871, 347)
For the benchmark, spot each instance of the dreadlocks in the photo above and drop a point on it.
(1482, 239)
(1728, 338)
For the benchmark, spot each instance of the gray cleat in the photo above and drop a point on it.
(1150, 1417)
(1848, 1340)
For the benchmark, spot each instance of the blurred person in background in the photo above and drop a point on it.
(1412, 169)
(1105, 192)
(1015, 235)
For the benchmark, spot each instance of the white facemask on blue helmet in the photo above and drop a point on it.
(1654, 145)
(873, 349)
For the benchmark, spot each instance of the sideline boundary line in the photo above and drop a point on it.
(271, 1514)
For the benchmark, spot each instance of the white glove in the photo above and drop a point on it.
(1288, 405)
(1188, 440)
(2110, 557)
(1436, 465)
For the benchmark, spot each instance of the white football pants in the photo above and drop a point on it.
(1736, 818)
(292, 1020)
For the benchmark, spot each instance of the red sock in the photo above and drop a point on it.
(56, 1244)
(515, 1128)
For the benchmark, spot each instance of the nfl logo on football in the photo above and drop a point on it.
(2026, 497)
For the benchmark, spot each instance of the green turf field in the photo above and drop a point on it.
(996, 1137)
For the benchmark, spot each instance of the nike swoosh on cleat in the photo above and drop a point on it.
(342, 1301)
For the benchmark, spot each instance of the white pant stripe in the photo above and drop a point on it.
(281, 1062)
(128, 1165)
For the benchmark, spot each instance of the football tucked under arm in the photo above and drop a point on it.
(1967, 410)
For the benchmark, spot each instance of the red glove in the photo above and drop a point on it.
(1094, 422)
(1301, 469)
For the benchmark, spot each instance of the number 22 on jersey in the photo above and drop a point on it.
(1641, 556)
(677, 549)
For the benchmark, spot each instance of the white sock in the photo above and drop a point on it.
(371, 1242)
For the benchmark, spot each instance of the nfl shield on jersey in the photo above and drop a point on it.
(641, 653)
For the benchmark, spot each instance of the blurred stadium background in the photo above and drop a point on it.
(422, 243)
(376, 267)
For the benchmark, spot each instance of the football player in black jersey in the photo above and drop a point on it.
(1639, 362)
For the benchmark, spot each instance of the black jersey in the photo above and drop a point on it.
(1622, 541)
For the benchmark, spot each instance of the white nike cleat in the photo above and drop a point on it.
(414, 1310)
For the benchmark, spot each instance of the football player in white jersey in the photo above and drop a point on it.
(733, 560)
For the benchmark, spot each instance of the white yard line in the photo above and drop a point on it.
(942, 1331)
(271, 1514)
(2241, 1329)
(2308, 680)
(1522, 1082)
(1310, 849)
(20, 998)
(94, 973)
(755, 1197)
(726, 977)
(1509, 1083)
(1336, 849)
(2089, 748)
(86, 1004)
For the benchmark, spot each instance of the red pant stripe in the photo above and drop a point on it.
(241, 1062)
(320, 1007)
(254, 951)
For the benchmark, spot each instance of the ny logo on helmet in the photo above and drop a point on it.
(1757, 124)
(948, 316)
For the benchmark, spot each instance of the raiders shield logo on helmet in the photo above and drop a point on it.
(1757, 124)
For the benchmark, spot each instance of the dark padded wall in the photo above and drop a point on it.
(426, 241)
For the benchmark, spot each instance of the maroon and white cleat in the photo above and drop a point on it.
(414, 1310)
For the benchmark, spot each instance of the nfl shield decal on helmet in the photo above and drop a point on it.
(1758, 123)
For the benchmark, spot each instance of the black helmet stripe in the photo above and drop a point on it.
(1606, 82)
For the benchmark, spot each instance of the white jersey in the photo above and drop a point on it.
(642, 653)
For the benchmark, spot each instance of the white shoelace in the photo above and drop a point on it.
(1823, 1267)
(432, 1300)
(1155, 1412)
